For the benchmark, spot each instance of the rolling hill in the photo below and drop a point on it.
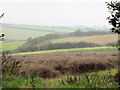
(42, 28)
(23, 32)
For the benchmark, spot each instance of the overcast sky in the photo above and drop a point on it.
(55, 12)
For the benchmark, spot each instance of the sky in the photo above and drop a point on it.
(55, 12)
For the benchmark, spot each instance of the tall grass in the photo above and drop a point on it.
(101, 79)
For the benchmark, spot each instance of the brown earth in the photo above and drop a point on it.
(101, 39)
(56, 64)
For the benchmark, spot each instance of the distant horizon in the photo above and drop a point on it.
(55, 12)
(55, 25)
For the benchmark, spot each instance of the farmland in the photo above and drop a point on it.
(45, 28)
(6, 46)
(100, 39)
(61, 68)
(52, 70)
(21, 34)
(25, 31)
(60, 44)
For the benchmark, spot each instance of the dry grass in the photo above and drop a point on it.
(101, 39)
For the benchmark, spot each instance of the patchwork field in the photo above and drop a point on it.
(101, 39)
(45, 28)
(23, 32)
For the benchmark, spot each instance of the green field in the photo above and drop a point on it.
(101, 79)
(63, 30)
(56, 40)
(69, 50)
(11, 45)
(21, 34)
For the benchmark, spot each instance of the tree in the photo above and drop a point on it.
(2, 35)
(114, 18)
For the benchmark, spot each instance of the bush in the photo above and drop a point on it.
(68, 45)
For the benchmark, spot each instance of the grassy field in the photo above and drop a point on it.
(6, 46)
(21, 34)
(56, 40)
(70, 50)
(45, 28)
(30, 31)
(101, 79)
(100, 39)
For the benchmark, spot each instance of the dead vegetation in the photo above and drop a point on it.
(57, 64)
(101, 39)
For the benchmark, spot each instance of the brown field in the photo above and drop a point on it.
(101, 39)
(57, 64)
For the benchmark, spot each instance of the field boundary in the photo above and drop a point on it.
(69, 50)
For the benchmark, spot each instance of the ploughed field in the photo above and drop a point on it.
(53, 65)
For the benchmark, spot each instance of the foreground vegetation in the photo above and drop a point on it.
(70, 50)
(101, 79)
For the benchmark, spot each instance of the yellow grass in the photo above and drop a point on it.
(101, 39)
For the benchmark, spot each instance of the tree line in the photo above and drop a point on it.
(32, 44)
(51, 46)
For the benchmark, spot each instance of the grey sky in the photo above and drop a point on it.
(55, 12)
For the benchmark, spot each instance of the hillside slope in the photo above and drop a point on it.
(23, 32)
(44, 43)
